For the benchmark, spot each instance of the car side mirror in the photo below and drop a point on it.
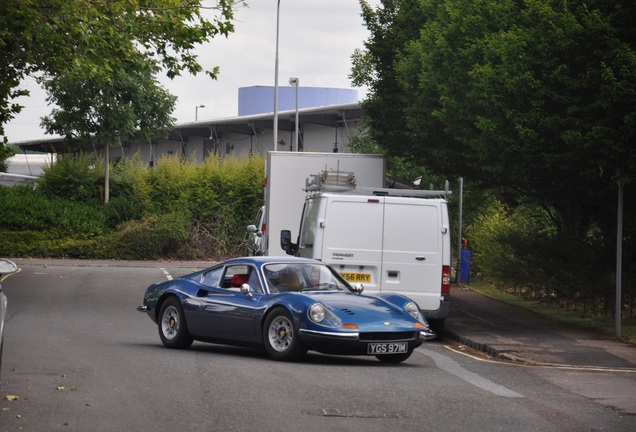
(358, 288)
(253, 230)
(245, 289)
(7, 267)
(286, 243)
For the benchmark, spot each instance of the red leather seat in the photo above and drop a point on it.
(239, 279)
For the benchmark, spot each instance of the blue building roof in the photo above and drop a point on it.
(260, 99)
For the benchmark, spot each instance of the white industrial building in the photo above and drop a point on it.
(326, 118)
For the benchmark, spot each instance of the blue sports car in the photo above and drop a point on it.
(286, 305)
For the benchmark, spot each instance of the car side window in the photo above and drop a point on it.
(254, 282)
(236, 276)
(212, 278)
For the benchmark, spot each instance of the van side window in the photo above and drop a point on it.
(308, 227)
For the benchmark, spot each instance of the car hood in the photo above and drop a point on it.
(356, 308)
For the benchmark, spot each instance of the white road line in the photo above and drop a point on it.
(165, 272)
(451, 366)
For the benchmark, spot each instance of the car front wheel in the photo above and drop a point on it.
(280, 338)
(173, 330)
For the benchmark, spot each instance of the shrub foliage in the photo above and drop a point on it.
(519, 250)
(177, 209)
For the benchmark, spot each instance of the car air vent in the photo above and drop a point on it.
(348, 311)
(387, 336)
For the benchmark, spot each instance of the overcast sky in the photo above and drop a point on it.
(316, 40)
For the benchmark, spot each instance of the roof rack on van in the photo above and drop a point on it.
(345, 182)
(333, 180)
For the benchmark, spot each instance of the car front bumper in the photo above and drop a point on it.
(357, 343)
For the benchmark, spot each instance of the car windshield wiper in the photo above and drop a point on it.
(323, 287)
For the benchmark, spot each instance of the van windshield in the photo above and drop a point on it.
(298, 277)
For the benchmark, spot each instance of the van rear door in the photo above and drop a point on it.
(412, 250)
(353, 237)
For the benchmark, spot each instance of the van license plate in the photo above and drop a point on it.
(357, 277)
(387, 348)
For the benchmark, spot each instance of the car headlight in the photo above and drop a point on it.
(413, 310)
(320, 314)
(317, 313)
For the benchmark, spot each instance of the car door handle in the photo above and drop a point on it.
(420, 258)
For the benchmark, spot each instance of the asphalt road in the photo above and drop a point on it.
(79, 357)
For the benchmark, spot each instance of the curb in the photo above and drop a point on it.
(485, 348)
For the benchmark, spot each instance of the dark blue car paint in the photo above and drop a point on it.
(220, 315)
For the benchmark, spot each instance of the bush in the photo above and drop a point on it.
(40, 244)
(225, 195)
(522, 252)
(25, 209)
(121, 209)
(74, 177)
(153, 237)
(222, 195)
(179, 209)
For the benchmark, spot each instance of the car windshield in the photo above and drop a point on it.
(285, 277)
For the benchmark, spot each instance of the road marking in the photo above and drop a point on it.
(165, 272)
(451, 366)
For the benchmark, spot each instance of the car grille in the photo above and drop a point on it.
(392, 336)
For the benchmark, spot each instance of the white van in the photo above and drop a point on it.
(386, 242)
(285, 176)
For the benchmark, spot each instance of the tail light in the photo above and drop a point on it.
(446, 279)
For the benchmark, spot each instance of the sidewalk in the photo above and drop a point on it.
(513, 333)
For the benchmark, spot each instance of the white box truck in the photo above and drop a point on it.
(285, 176)
(387, 239)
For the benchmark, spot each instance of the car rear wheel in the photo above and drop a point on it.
(173, 330)
(394, 358)
(280, 338)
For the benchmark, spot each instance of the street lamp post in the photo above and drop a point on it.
(295, 82)
(276, 79)
(196, 112)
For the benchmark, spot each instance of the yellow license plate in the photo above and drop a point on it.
(357, 277)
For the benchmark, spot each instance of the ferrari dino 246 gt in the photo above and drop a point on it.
(287, 306)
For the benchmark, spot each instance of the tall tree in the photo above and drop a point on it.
(127, 103)
(391, 28)
(534, 97)
(91, 38)
(538, 96)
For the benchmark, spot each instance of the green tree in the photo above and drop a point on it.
(534, 98)
(391, 28)
(126, 103)
(5, 153)
(538, 97)
(88, 39)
